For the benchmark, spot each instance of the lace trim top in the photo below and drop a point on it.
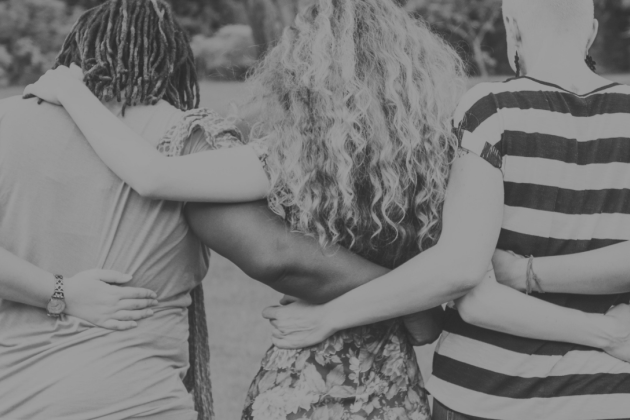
(219, 132)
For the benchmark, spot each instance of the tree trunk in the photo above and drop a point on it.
(268, 18)
(479, 57)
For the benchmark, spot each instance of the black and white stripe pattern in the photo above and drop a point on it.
(565, 160)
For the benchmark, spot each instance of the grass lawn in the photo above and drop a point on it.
(238, 335)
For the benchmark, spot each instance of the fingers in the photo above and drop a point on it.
(112, 276)
(270, 312)
(275, 324)
(137, 293)
(76, 71)
(133, 315)
(119, 325)
(136, 304)
(277, 334)
(286, 300)
(282, 343)
(28, 92)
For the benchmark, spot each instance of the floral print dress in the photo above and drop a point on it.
(367, 372)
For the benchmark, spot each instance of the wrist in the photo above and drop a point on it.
(48, 280)
(72, 92)
(609, 333)
(334, 317)
(518, 275)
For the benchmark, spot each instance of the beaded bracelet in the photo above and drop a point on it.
(533, 282)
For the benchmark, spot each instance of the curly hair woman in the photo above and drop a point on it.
(352, 147)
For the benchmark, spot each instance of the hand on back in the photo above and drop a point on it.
(98, 296)
(297, 324)
(54, 83)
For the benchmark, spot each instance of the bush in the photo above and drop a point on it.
(31, 33)
(226, 55)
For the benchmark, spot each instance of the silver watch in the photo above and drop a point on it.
(57, 303)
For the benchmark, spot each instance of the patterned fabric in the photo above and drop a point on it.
(565, 160)
(363, 373)
(219, 132)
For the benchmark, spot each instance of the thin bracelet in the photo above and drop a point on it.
(533, 282)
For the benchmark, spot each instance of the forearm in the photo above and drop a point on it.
(602, 271)
(472, 217)
(404, 291)
(500, 308)
(226, 175)
(21, 281)
(322, 274)
(263, 246)
(124, 151)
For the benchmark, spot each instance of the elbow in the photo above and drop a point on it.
(271, 265)
(473, 308)
(148, 181)
(465, 278)
(266, 270)
(468, 309)
(145, 186)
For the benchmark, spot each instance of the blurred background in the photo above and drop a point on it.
(227, 37)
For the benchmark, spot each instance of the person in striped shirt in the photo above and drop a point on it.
(560, 135)
(543, 170)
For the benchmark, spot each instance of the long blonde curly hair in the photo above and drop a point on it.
(356, 104)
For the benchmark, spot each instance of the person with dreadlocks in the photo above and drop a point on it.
(120, 352)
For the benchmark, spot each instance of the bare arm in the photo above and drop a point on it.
(457, 265)
(23, 282)
(219, 176)
(88, 296)
(500, 308)
(447, 271)
(601, 271)
(263, 246)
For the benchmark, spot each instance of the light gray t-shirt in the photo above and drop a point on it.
(63, 210)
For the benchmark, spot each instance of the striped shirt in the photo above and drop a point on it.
(565, 160)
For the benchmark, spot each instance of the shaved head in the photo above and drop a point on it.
(570, 19)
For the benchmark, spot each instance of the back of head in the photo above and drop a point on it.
(357, 100)
(133, 51)
(540, 19)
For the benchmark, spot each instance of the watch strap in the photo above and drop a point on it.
(58, 293)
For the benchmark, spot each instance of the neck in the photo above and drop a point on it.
(563, 64)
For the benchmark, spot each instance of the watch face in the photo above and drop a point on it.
(56, 306)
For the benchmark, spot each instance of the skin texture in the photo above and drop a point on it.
(263, 246)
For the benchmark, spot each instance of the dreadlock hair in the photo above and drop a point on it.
(134, 51)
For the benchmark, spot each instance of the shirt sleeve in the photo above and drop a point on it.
(478, 126)
(198, 142)
(211, 132)
(261, 149)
